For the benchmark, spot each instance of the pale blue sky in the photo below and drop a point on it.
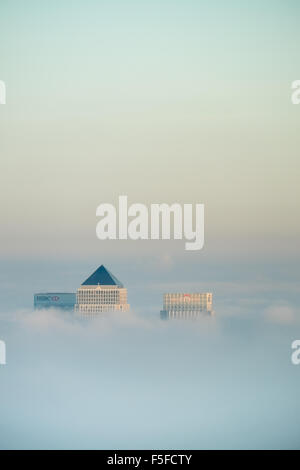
(162, 101)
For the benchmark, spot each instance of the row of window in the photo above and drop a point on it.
(187, 296)
(88, 308)
(174, 314)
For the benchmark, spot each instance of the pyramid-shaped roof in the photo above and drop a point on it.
(103, 277)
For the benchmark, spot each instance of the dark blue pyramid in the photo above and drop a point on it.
(103, 277)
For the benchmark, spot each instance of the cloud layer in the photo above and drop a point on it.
(135, 381)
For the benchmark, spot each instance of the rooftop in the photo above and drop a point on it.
(103, 277)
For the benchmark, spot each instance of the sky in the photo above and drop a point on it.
(164, 102)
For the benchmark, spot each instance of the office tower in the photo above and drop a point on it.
(177, 305)
(60, 300)
(101, 292)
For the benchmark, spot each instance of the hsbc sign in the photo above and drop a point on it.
(47, 298)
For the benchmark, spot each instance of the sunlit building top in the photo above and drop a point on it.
(184, 305)
(101, 292)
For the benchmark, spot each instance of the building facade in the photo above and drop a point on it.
(180, 305)
(60, 300)
(101, 292)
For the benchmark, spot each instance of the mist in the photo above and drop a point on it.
(135, 381)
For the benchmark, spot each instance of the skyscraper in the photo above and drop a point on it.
(179, 305)
(101, 292)
(58, 300)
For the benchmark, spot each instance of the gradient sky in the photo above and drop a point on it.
(163, 101)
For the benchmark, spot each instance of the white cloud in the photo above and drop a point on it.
(280, 314)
